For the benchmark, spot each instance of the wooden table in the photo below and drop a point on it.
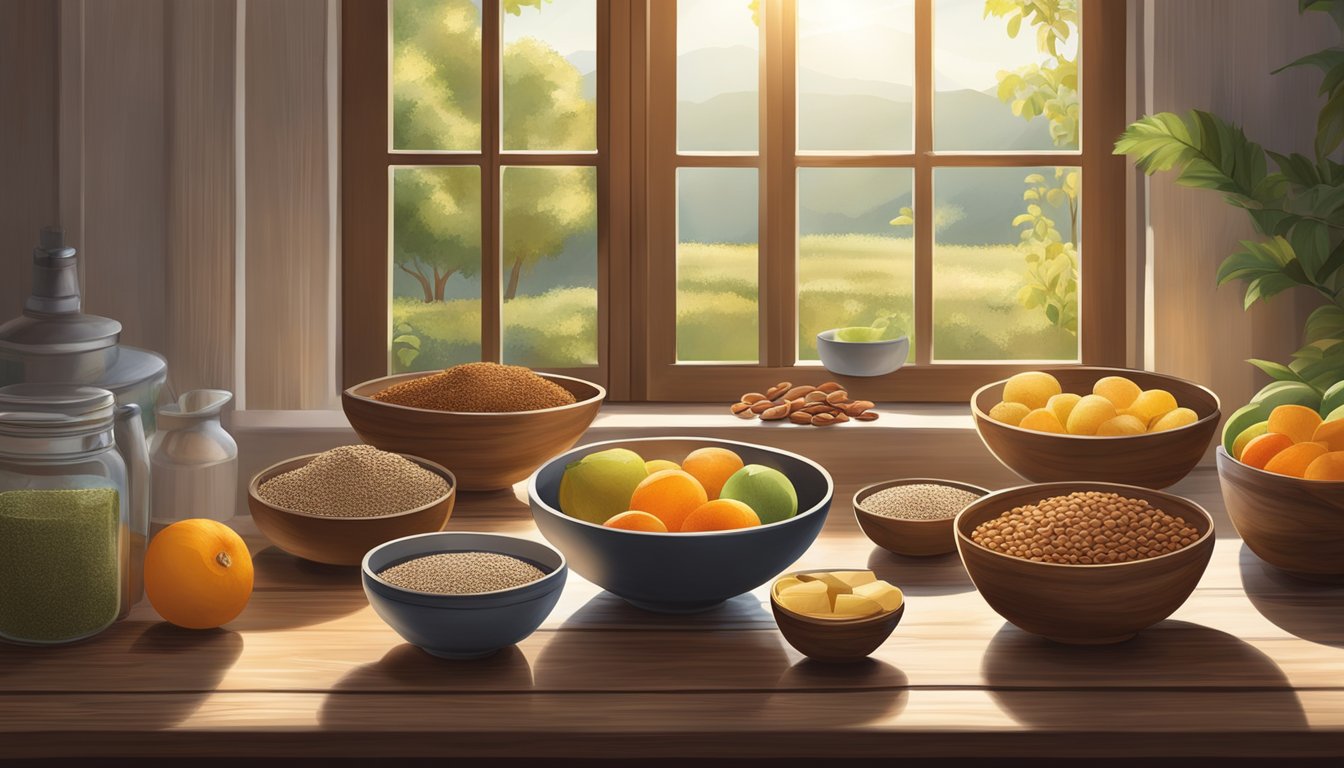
(1252, 665)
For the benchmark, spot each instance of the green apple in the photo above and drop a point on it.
(859, 333)
(1338, 413)
(1241, 420)
(1247, 435)
(1333, 399)
(599, 486)
(767, 491)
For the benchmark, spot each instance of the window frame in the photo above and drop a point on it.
(636, 207)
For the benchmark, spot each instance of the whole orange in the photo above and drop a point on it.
(712, 466)
(669, 495)
(198, 574)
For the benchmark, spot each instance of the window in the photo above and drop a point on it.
(674, 197)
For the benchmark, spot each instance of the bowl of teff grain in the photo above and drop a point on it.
(913, 516)
(1058, 438)
(332, 507)
(491, 424)
(462, 595)
(1084, 563)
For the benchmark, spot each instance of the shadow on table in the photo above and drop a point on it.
(938, 575)
(1214, 674)
(135, 656)
(1310, 610)
(874, 690)
(321, 592)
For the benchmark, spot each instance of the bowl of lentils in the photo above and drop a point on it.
(335, 506)
(462, 595)
(1084, 563)
(913, 516)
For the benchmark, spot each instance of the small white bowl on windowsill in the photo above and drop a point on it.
(862, 358)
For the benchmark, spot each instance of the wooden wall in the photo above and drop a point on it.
(1216, 55)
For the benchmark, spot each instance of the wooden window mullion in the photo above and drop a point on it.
(491, 139)
(923, 182)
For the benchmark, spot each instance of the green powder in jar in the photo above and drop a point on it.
(59, 552)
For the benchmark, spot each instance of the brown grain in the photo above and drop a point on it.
(478, 388)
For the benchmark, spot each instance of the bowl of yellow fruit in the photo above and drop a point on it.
(1091, 423)
(679, 524)
(1281, 466)
(836, 616)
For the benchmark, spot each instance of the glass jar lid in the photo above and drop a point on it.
(26, 409)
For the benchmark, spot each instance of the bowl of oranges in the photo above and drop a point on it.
(1282, 477)
(1092, 423)
(679, 524)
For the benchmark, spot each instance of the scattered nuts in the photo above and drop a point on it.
(796, 405)
(776, 413)
(778, 389)
(819, 406)
(840, 418)
(815, 397)
(857, 407)
(830, 386)
(752, 397)
(761, 406)
(867, 416)
(837, 397)
(798, 417)
(799, 391)
(739, 408)
(816, 408)
(823, 420)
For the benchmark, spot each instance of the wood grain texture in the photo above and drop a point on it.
(486, 451)
(1290, 523)
(342, 540)
(912, 538)
(1216, 55)
(1153, 460)
(199, 104)
(1084, 604)
(289, 263)
(29, 71)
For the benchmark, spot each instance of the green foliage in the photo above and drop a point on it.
(1052, 263)
(943, 216)
(437, 105)
(1298, 209)
(1050, 87)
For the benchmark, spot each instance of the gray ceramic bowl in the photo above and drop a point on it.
(682, 572)
(464, 626)
(862, 358)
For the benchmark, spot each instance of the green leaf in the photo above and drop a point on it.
(1014, 26)
(1325, 322)
(1310, 241)
(1022, 218)
(1276, 371)
(1266, 287)
(1330, 125)
(1297, 169)
(411, 341)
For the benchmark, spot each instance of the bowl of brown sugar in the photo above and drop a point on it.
(332, 507)
(491, 424)
(1084, 563)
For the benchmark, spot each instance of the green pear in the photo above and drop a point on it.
(599, 486)
(767, 491)
(1333, 400)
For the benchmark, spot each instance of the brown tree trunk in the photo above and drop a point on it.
(440, 282)
(514, 274)
(421, 279)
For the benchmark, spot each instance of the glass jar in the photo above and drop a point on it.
(193, 460)
(71, 546)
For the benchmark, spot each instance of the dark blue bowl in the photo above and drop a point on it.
(464, 626)
(682, 572)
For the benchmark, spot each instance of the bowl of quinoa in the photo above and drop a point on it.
(463, 595)
(913, 516)
(332, 507)
(1084, 562)
(491, 424)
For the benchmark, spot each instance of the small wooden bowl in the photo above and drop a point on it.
(487, 451)
(1293, 524)
(912, 538)
(1154, 460)
(834, 641)
(343, 540)
(1084, 604)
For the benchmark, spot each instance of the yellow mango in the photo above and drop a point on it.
(1089, 414)
(855, 607)
(855, 579)
(1062, 405)
(1181, 417)
(882, 593)
(785, 583)
(1119, 390)
(1121, 426)
(810, 604)
(1151, 404)
(834, 585)
(1042, 420)
(1032, 389)
(1009, 413)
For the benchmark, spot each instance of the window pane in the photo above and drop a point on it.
(856, 63)
(550, 75)
(436, 75)
(1005, 263)
(717, 317)
(855, 251)
(1001, 82)
(550, 266)
(718, 76)
(436, 267)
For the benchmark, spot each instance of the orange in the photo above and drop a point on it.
(1294, 460)
(1042, 420)
(669, 495)
(720, 515)
(1327, 466)
(712, 467)
(1296, 421)
(198, 574)
(634, 520)
(1259, 451)
(1331, 433)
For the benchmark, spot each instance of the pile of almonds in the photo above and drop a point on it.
(819, 406)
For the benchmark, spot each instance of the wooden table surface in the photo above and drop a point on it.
(1253, 664)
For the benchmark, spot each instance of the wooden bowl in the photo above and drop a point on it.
(1084, 604)
(1154, 460)
(833, 640)
(1293, 524)
(487, 451)
(343, 540)
(912, 538)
